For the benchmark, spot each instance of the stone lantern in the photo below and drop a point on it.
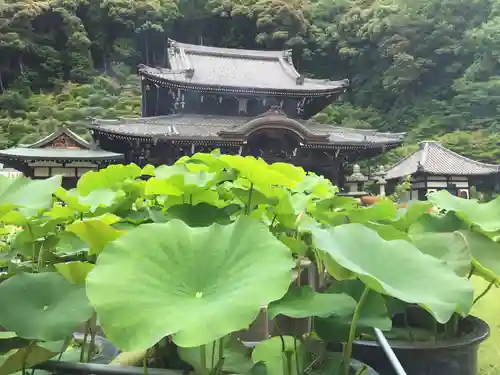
(380, 180)
(356, 182)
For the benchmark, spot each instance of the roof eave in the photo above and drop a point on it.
(334, 90)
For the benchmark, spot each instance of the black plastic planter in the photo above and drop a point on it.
(444, 357)
(107, 352)
(70, 368)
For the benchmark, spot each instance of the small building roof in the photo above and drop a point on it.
(61, 133)
(62, 144)
(236, 70)
(433, 158)
(27, 153)
(190, 127)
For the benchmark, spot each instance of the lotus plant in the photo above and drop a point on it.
(173, 262)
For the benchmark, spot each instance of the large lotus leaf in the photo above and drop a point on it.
(317, 186)
(110, 177)
(295, 173)
(12, 361)
(96, 233)
(222, 273)
(23, 192)
(181, 177)
(98, 198)
(296, 246)
(280, 353)
(303, 302)
(383, 210)
(32, 231)
(485, 254)
(253, 197)
(42, 306)
(69, 244)
(397, 268)
(373, 313)
(62, 213)
(148, 170)
(159, 186)
(258, 172)
(236, 356)
(484, 251)
(336, 203)
(199, 215)
(484, 215)
(75, 272)
(387, 232)
(452, 248)
(437, 223)
(409, 215)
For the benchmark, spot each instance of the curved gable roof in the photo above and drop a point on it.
(229, 69)
(433, 158)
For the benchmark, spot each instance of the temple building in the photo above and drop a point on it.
(61, 153)
(245, 102)
(434, 167)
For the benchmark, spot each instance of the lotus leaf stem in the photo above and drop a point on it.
(212, 364)
(250, 192)
(352, 332)
(203, 359)
(85, 336)
(29, 348)
(484, 292)
(93, 332)
(221, 349)
(362, 370)
(145, 363)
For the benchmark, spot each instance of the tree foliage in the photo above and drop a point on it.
(427, 67)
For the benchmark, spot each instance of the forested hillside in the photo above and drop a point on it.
(428, 67)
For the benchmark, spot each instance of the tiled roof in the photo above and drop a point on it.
(38, 151)
(435, 159)
(62, 131)
(237, 69)
(189, 126)
(27, 153)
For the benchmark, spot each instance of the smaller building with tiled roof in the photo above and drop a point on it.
(62, 152)
(434, 167)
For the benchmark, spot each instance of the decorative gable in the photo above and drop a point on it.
(63, 141)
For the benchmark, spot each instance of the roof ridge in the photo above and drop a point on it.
(463, 157)
(402, 160)
(424, 156)
(60, 131)
(202, 49)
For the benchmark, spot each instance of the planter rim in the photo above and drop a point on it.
(480, 332)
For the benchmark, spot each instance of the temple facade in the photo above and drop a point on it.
(434, 167)
(62, 152)
(245, 102)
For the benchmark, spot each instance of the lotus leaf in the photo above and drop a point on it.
(372, 314)
(395, 268)
(75, 272)
(23, 192)
(223, 273)
(484, 215)
(110, 177)
(12, 361)
(452, 248)
(302, 302)
(278, 353)
(96, 233)
(42, 306)
(236, 356)
(258, 172)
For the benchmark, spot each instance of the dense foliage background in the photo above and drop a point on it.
(428, 67)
